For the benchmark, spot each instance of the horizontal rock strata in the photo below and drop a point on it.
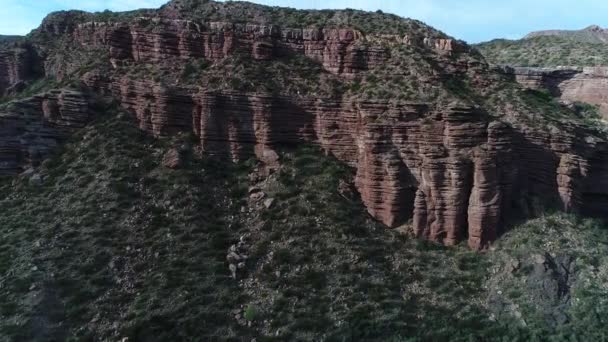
(588, 85)
(18, 64)
(159, 40)
(31, 129)
(452, 172)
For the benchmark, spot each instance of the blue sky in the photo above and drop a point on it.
(471, 20)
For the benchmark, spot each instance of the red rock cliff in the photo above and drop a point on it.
(588, 85)
(30, 129)
(450, 169)
(18, 63)
(455, 173)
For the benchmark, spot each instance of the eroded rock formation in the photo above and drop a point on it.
(159, 40)
(451, 170)
(18, 64)
(455, 173)
(31, 129)
(588, 84)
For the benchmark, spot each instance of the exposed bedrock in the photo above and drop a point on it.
(453, 173)
(569, 84)
(18, 64)
(31, 129)
(156, 40)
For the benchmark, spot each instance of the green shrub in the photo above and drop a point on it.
(250, 313)
(545, 51)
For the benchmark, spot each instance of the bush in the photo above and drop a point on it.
(250, 313)
(545, 51)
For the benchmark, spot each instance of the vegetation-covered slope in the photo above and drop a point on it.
(103, 242)
(545, 51)
(247, 12)
(250, 13)
(111, 241)
(409, 74)
(8, 39)
(591, 34)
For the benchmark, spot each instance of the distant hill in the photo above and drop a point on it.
(552, 48)
(591, 34)
(545, 51)
(4, 39)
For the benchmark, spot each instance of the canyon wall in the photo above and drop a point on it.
(588, 84)
(164, 42)
(454, 173)
(161, 41)
(31, 129)
(451, 171)
(18, 63)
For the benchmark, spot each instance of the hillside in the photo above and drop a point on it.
(244, 89)
(104, 242)
(231, 171)
(545, 51)
(591, 34)
(6, 39)
(571, 66)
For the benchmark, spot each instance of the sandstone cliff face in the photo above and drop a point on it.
(454, 173)
(451, 171)
(154, 40)
(593, 34)
(18, 63)
(31, 129)
(160, 41)
(585, 84)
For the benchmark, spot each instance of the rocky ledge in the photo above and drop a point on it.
(18, 64)
(454, 173)
(589, 84)
(31, 129)
(449, 171)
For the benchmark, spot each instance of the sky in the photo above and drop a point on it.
(471, 20)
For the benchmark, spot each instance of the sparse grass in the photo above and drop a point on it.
(122, 246)
(36, 87)
(562, 237)
(343, 276)
(293, 74)
(114, 245)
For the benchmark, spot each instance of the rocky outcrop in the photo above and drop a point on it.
(588, 85)
(174, 158)
(345, 52)
(445, 45)
(63, 22)
(448, 169)
(18, 64)
(31, 129)
(160, 41)
(453, 172)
